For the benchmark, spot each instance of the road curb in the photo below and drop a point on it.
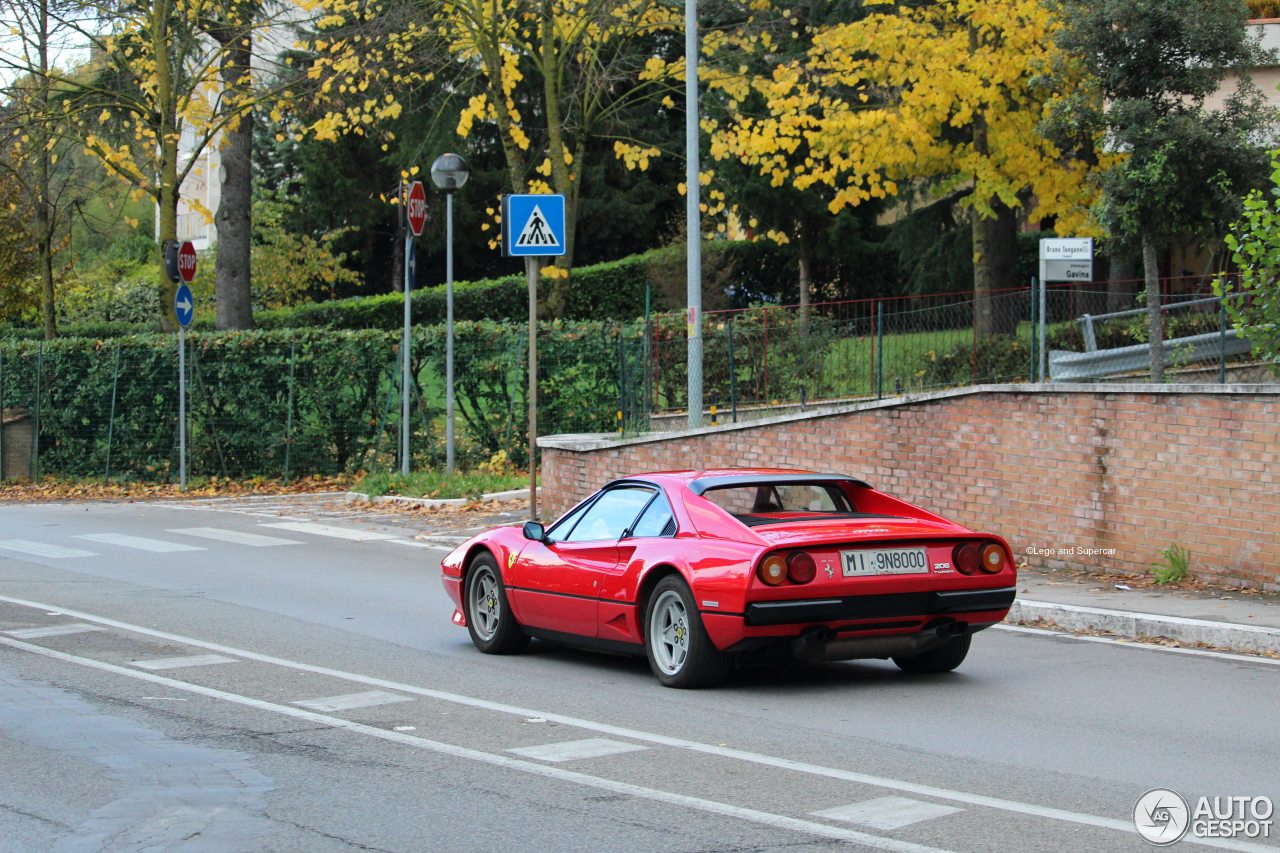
(401, 500)
(1125, 623)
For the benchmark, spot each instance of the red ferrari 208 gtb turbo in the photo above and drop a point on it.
(693, 567)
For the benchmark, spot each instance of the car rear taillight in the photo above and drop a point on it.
(773, 570)
(800, 567)
(968, 557)
(992, 558)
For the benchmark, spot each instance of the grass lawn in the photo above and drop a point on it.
(437, 484)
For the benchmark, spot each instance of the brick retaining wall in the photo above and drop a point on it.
(1099, 477)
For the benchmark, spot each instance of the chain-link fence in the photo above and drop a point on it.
(774, 359)
(289, 403)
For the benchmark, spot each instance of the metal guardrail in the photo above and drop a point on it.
(1067, 366)
(1086, 321)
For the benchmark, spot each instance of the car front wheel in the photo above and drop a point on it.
(942, 659)
(493, 628)
(680, 652)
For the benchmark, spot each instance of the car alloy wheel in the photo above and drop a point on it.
(669, 626)
(493, 627)
(679, 650)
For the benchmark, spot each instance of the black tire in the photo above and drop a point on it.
(493, 628)
(680, 652)
(942, 659)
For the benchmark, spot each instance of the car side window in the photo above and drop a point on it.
(656, 520)
(610, 516)
(560, 531)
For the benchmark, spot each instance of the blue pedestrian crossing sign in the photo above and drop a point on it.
(533, 226)
(184, 305)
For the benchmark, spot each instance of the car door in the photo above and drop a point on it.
(617, 617)
(555, 583)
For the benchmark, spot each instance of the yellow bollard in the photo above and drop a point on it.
(713, 415)
(619, 422)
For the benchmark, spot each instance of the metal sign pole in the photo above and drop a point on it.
(531, 272)
(693, 272)
(404, 352)
(448, 357)
(182, 408)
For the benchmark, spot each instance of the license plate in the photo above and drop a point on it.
(885, 561)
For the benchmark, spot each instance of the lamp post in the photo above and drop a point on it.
(449, 172)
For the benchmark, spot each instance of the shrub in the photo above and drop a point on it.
(301, 401)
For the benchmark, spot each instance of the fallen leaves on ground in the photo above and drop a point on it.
(53, 489)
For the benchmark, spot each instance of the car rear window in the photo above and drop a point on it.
(773, 503)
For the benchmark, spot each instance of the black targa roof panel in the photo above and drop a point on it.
(703, 484)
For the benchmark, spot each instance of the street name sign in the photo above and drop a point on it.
(1066, 249)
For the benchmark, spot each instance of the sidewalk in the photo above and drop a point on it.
(1243, 622)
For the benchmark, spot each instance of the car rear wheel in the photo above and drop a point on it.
(679, 650)
(493, 628)
(942, 659)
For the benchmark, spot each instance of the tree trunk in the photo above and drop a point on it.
(167, 180)
(1155, 326)
(804, 270)
(995, 241)
(557, 144)
(235, 209)
(1121, 285)
(397, 252)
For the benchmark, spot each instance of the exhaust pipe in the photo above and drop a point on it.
(819, 645)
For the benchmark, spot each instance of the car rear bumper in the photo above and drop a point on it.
(892, 606)
(859, 626)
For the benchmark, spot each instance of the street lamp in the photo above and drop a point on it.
(449, 173)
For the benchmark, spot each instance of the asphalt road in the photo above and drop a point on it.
(282, 675)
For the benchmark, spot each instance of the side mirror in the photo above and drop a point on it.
(535, 531)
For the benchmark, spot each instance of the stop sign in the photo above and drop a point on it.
(416, 207)
(187, 261)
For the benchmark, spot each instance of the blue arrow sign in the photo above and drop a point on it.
(533, 226)
(184, 305)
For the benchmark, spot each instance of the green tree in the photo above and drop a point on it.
(1253, 300)
(946, 97)
(1178, 165)
(157, 92)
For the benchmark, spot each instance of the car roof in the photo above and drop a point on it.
(699, 481)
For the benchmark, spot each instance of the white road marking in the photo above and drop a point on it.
(53, 631)
(410, 543)
(1134, 644)
(253, 540)
(769, 819)
(887, 813)
(1012, 806)
(444, 544)
(142, 543)
(331, 530)
(178, 662)
(348, 701)
(41, 549)
(571, 750)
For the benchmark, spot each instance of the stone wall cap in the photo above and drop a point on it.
(582, 442)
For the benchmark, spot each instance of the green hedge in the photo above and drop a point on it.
(610, 291)
(301, 401)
